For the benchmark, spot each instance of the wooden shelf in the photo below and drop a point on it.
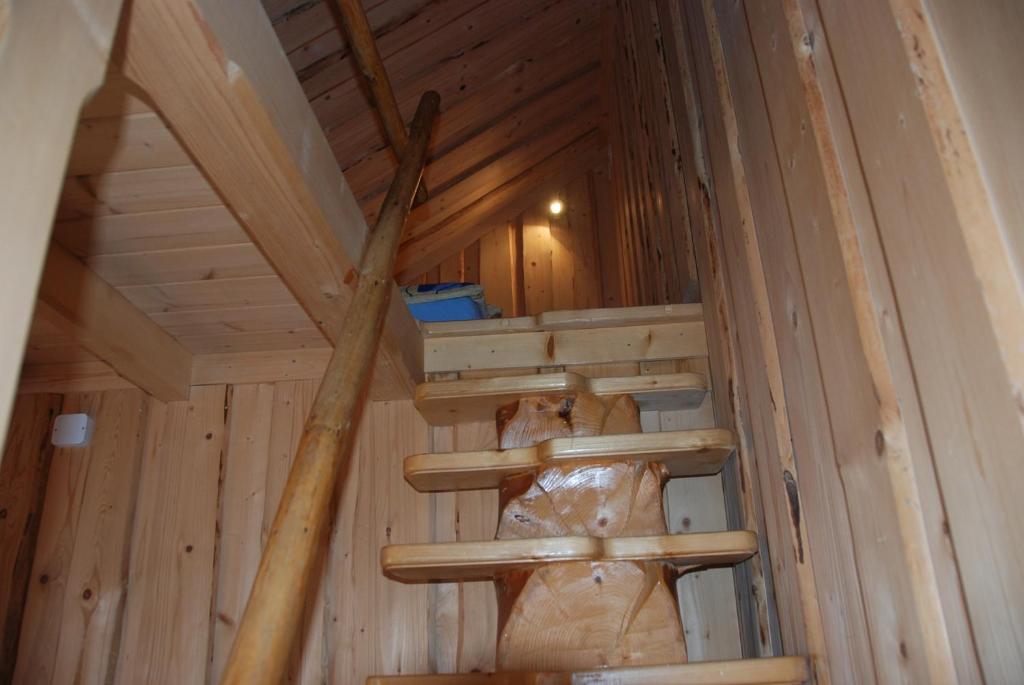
(452, 561)
(782, 670)
(444, 403)
(684, 453)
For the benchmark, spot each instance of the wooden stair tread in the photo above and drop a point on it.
(781, 670)
(444, 403)
(684, 453)
(485, 560)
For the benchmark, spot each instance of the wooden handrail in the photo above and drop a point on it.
(273, 614)
(371, 66)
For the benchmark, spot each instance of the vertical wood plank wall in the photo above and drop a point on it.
(651, 224)
(858, 260)
(150, 538)
(535, 262)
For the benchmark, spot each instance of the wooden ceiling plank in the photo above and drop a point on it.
(328, 62)
(237, 320)
(148, 231)
(141, 190)
(292, 339)
(445, 204)
(227, 293)
(236, 106)
(105, 323)
(508, 199)
(43, 91)
(375, 78)
(451, 159)
(178, 265)
(338, 95)
(456, 73)
(124, 143)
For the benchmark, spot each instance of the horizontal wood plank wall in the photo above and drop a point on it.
(648, 197)
(847, 234)
(534, 262)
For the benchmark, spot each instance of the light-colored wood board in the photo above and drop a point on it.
(73, 613)
(227, 293)
(38, 120)
(23, 476)
(240, 520)
(150, 231)
(565, 347)
(608, 317)
(684, 453)
(488, 559)
(586, 278)
(449, 402)
(239, 320)
(292, 401)
(497, 269)
(166, 632)
(373, 624)
(763, 395)
(103, 321)
(937, 291)
(784, 670)
(537, 263)
(185, 264)
(262, 147)
(255, 341)
(259, 367)
(129, 192)
(760, 633)
(124, 143)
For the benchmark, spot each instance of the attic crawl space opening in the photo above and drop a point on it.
(728, 387)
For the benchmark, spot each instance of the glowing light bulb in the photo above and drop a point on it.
(555, 207)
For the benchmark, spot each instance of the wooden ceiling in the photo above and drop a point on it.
(520, 94)
(521, 115)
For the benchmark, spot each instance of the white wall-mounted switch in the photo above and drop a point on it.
(72, 430)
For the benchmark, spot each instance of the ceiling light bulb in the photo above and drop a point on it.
(555, 207)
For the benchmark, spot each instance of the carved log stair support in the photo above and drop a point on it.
(582, 562)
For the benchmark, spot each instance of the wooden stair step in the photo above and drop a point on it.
(485, 560)
(684, 453)
(445, 403)
(780, 670)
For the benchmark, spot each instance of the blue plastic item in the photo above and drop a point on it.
(454, 309)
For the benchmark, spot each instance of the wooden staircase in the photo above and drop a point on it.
(582, 561)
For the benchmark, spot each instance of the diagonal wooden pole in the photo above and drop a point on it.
(273, 615)
(371, 66)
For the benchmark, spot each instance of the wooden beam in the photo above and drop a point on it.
(273, 614)
(37, 123)
(782, 670)
(100, 319)
(382, 97)
(234, 102)
(436, 241)
(458, 561)
(565, 347)
(684, 453)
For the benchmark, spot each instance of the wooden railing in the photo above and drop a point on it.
(273, 614)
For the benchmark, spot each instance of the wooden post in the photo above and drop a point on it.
(371, 66)
(273, 614)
